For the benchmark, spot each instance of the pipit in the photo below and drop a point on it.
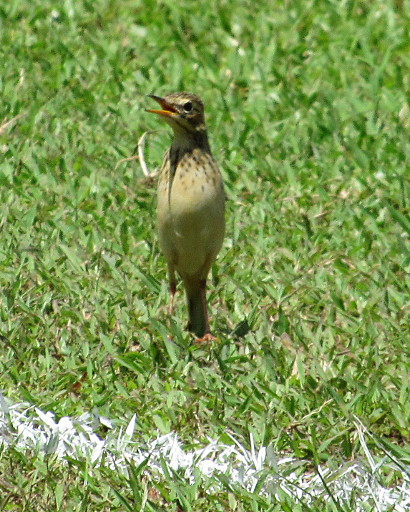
(191, 204)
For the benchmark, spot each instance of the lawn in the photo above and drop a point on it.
(307, 108)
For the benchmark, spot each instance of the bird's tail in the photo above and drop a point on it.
(197, 310)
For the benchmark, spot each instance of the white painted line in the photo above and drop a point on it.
(27, 427)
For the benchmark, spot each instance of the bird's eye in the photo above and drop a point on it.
(188, 106)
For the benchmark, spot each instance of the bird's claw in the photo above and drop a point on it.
(206, 338)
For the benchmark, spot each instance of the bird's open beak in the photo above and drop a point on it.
(167, 109)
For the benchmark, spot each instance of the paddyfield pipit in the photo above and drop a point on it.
(191, 204)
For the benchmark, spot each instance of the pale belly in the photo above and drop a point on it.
(191, 224)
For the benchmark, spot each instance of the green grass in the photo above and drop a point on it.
(308, 114)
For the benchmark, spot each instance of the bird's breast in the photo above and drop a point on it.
(191, 212)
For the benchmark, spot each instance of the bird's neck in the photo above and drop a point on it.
(188, 140)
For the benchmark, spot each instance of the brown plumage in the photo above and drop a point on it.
(190, 206)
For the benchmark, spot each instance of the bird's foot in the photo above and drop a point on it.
(206, 338)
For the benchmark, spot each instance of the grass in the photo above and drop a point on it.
(308, 114)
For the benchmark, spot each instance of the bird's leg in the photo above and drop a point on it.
(207, 332)
(172, 289)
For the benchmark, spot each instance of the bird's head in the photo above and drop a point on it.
(181, 110)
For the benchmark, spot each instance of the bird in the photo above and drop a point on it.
(190, 206)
